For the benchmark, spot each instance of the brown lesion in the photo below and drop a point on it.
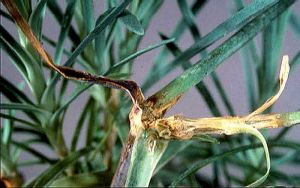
(128, 85)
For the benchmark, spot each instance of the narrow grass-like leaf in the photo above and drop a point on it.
(57, 13)
(129, 86)
(190, 21)
(284, 159)
(249, 78)
(178, 31)
(93, 123)
(17, 96)
(7, 129)
(5, 15)
(222, 93)
(33, 151)
(131, 22)
(201, 87)
(37, 17)
(103, 140)
(25, 63)
(295, 61)
(54, 171)
(89, 38)
(33, 132)
(66, 24)
(6, 162)
(257, 134)
(15, 59)
(272, 41)
(79, 125)
(247, 67)
(295, 23)
(13, 118)
(94, 179)
(30, 163)
(198, 165)
(136, 54)
(12, 92)
(79, 89)
(88, 15)
(65, 52)
(282, 133)
(23, 107)
(240, 19)
(100, 44)
(196, 73)
(106, 21)
(173, 149)
(290, 180)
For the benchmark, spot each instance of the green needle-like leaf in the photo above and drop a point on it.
(88, 15)
(79, 126)
(201, 87)
(28, 67)
(37, 17)
(138, 53)
(240, 19)
(91, 36)
(80, 88)
(13, 118)
(33, 151)
(54, 171)
(195, 167)
(64, 30)
(94, 179)
(87, 40)
(295, 23)
(173, 149)
(177, 33)
(206, 65)
(23, 107)
(55, 9)
(12, 92)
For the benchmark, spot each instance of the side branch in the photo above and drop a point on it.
(182, 128)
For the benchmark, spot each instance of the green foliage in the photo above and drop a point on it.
(107, 45)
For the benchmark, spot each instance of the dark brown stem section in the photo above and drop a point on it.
(120, 176)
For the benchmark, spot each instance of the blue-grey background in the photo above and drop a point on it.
(231, 73)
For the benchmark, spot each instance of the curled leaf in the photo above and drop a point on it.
(130, 86)
(250, 130)
(283, 76)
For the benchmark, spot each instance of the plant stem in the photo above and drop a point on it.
(120, 176)
(182, 128)
(146, 153)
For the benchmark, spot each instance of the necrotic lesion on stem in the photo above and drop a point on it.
(182, 128)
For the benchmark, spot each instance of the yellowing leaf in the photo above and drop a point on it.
(283, 76)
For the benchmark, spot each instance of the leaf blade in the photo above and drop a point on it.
(236, 22)
(206, 65)
(52, 172)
